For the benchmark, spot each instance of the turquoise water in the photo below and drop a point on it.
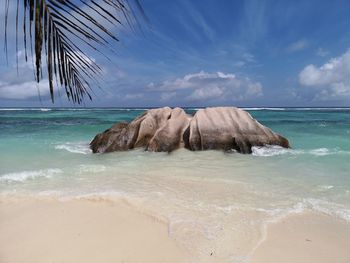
(219, 198)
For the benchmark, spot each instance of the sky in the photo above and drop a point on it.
(253, 53)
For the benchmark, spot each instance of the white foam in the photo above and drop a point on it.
(29, 175)
(271, 150)
(25, 109)
(328, 208)
(318, 205)
(320, 109)
(90, 168)
(264, 108)
(279, 213)
(11, 109)
(104, 195)
(321, 152)
(325, 187)
(325, 151)
(78, 147)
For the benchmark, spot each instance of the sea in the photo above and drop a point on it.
(210, 200)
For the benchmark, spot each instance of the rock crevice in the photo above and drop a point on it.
(166, 129)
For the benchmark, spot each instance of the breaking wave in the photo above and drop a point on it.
(80, 147)
(317, 205)
(29, 175)
(274, 150)
(271, 109)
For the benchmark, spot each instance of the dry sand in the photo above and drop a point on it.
(45, 231)
(306, 238)
(82, 231)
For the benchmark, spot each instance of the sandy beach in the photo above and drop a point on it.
(61, 203)
(48, 230)
(82, 231)
(182, 131)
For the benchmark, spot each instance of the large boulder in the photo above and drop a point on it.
(229, 128)
(166, 129)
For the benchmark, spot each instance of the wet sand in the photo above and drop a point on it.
(305, 238)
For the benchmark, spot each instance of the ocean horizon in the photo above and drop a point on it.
(187, 107)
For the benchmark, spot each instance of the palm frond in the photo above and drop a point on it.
(58, 29)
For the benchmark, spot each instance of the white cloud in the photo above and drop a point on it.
(166, 96)
(248, 57)
(198, 20)
(133, 96)
(336, 91)
(297, 46)
(23, 90)
(239, 64)
(206, 93)
(332, 79)
(206, 86)
(322, 52)
(22, 85)
(245, 59)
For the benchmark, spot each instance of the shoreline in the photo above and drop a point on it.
(45, 229)
(305, 237)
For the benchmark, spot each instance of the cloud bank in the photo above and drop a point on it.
(25, 90)
(331, 80)
(204, 86)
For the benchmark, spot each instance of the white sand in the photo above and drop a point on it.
(82, 231)
(45, 231)
(306, 238)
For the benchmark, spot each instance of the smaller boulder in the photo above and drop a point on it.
(169, 137)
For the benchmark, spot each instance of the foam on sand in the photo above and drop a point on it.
(90, 168)
(29, 175)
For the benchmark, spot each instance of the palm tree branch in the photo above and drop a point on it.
(57, 27)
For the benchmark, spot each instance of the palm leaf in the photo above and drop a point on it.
(58, 28)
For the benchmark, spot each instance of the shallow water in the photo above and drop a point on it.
(212, 201)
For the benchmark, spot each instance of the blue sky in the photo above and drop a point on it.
(216, 52)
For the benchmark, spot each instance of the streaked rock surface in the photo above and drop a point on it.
(166, 129)
(229, 128)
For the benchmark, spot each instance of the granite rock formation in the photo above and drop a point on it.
(166, 129)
